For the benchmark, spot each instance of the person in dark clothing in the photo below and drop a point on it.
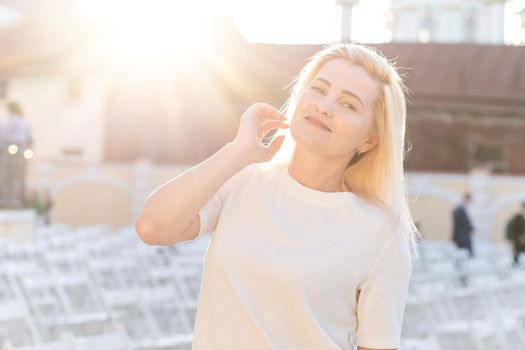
(517, 234)
(48, 205)
(462, 226)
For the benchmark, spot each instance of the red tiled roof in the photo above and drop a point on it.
(447, 74)
(437, 74)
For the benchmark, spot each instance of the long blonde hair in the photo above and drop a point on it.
(377, 175)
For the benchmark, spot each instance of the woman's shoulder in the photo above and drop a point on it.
(249, 172)
(261, 169)
(373, 211)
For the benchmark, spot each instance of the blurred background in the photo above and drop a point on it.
(101, 102)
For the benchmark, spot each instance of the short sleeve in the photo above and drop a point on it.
(210, 213)
(382, 297)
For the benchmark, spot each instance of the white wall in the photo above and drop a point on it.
(57, 121)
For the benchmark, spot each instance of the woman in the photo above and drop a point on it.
(311, 252)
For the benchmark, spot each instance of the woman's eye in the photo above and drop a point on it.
(349, 106)
(319, 90)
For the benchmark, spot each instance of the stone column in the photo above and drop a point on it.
(347, 9)
(495, 15)
(479, 181)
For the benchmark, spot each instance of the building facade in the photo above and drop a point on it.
(102, 141)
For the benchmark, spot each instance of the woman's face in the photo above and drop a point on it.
(342, 97)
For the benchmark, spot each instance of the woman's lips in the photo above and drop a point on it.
(317, 123)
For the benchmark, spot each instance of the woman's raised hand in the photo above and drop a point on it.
(255, 124)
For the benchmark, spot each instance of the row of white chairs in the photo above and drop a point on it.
(78, 285)
(88, 283)
(457, 302)
(501, 330)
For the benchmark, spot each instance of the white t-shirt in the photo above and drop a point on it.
(290, 267)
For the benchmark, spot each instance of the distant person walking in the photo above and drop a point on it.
(15, 139)
(516, 233)
(16, 127)
(462, 226)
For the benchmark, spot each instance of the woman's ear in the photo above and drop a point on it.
(369, 143)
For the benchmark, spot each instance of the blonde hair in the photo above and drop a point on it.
(378, 174)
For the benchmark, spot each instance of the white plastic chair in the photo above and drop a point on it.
(126, 308)
(115, 340)
(455, 336)
(419, 344)
(63, 344)
(173, 321)
(15, 325)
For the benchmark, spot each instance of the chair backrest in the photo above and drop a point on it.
(62, 344)
(116, 340)
(15, 323)
(455, 335)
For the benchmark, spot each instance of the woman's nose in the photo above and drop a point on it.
(324, 107)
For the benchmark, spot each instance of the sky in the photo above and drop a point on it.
(278, 21)
(318, 21)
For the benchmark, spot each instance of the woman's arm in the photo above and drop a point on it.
(171, 211)
(170, 214)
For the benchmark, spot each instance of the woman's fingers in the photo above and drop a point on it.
(261, 120)
(269, 124)
(267, 111)
(265, 127)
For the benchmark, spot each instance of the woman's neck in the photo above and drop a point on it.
(318, 173)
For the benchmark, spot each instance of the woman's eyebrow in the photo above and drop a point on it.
(346, 92)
